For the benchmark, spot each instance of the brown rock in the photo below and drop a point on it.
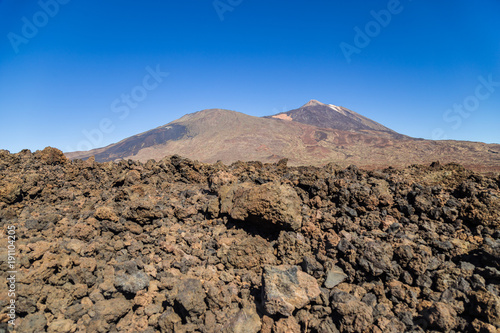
(267, 324)
(354, 315)
(286, 288)
(10, 192)
(271, 203)
(250, 253)
(486, 306)
(481, 327)
(106, 213)
(221, 178)
(62, 326)
(441, 316)
(246, 321)
(292, 247)
(169, 320)
(286, 325)
(52, 156)
(132, 177)
(112, 309)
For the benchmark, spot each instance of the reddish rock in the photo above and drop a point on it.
(441, 316)
(106, 213)
(486, 306)
(287, 325)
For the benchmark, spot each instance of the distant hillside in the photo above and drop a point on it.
(215, 134)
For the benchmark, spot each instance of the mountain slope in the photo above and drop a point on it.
(336, 117)
(215, 134)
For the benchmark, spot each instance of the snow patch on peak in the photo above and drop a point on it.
(340, 110)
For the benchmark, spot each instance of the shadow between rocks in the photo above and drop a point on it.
(256, 227)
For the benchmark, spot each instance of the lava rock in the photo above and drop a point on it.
(286, 288)
(191, 296)
(271, 203)
(352, 314)
(334, 276)
(441, 316)
(246, 321)
(131, 280)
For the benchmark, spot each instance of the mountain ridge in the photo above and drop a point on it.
(213, 135)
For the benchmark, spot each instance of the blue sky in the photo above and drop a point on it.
(81, 74)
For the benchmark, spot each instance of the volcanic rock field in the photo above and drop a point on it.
(181, 246)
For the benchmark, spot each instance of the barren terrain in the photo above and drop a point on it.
(176, 245)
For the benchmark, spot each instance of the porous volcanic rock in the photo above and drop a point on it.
(176, 245)
(270, 202)
(286, 288)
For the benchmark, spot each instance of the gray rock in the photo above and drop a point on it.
(286, 288)
(246, 321)
(334, 276)
(33, 323)
(133, 282)
(192, 296)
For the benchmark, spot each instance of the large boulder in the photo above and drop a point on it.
(51, 156)
(271, 202)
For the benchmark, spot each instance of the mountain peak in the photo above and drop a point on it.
(332, 116)
(313, 102)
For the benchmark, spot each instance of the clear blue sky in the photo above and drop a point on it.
(73, 67)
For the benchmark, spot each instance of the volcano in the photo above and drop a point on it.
(314, 134)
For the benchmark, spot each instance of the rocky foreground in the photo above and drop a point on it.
(181, 246)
